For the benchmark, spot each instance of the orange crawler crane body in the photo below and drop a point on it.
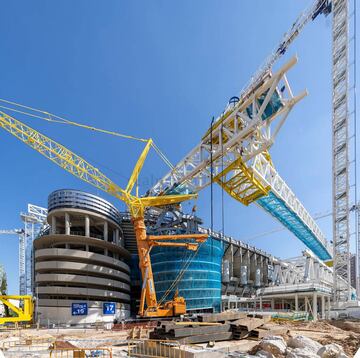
(177, 306)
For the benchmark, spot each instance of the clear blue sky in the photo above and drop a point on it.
(157, 69)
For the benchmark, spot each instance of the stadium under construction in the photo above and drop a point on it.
(83, 262)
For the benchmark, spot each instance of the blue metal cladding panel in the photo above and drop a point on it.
(277, 208)
(201, 283)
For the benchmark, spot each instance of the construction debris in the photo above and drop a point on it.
(234, 325)
(296, 347)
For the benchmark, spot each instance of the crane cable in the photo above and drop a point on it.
(180, 274)
(50, 117)
(191, 257)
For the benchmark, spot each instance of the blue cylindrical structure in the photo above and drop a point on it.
(200, 284)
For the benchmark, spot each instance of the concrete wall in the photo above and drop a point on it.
(81, 259)
(61, 313)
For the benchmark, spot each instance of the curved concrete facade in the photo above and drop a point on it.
(81, 262)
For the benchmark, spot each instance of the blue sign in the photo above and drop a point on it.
(109, 307)
(79, 309)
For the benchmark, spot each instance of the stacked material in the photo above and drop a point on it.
(216, 327)
(257, 326)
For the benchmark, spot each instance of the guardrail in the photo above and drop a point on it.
(155, 348)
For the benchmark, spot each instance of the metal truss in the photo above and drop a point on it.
(340, 148)
(283, 204)
(304, 269)
(239, 141)
(34, 221)
(247, 127)
(21, 235)
(58, 154)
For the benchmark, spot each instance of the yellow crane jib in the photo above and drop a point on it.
(83, 170)
(23, 312)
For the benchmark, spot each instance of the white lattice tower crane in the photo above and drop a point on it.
(20, 234)
(33, 220)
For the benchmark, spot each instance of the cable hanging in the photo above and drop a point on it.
(50, 117)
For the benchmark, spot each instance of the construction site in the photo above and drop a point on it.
(137, 269)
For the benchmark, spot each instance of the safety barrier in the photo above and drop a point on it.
(62, 352)
(26, 342)
(155, 348)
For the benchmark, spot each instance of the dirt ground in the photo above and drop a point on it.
(345, 333)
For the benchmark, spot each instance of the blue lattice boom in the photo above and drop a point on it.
(278, 209)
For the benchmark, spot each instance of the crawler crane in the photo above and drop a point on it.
(80, 168)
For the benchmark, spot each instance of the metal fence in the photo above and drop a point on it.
(100, 352)
(155, 348)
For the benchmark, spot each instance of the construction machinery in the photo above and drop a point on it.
(21, 234)
(136, 205)
(233, 153)
(34, 220)
(23, 311)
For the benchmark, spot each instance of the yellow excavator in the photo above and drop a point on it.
(80, 168)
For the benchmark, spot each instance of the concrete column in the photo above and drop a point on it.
(87, 225)
(282, 303)
(53, 225)
(306, 299)
(296, 302)
(314, 306)
(67, 224)
(261, 303)
(272, 303)
(328, 307)
(106, 231)
(322, 307)
(117, 236)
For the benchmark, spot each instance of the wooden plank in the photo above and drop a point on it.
(221, 317)
(247, 323)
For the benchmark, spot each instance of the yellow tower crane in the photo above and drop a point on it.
(80, 168)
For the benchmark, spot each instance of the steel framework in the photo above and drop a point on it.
(34, 220)
(238, 135)
(20, 234)
(340, 148)
(283, 204)
(235, 151)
